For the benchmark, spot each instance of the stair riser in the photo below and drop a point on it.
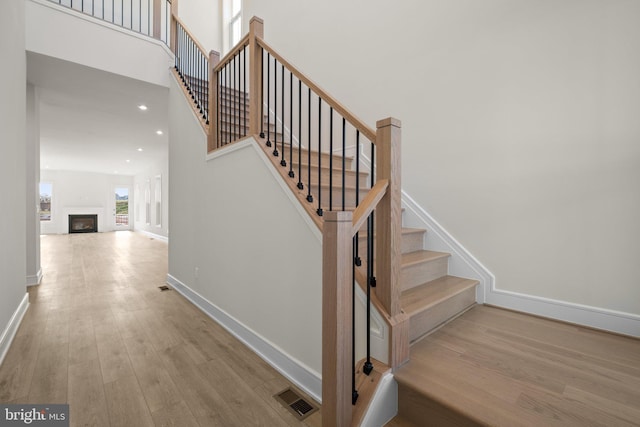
(410, 242)
(350, 196)
(417, 274)
(350, 176)
(424, 322)
(422, 411)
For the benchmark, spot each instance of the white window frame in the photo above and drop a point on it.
(233, 19)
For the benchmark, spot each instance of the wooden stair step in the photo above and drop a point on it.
(423, 266)
(433, 303)
(412, 239)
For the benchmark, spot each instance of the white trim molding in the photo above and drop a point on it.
(302, 376)
(12, 327)
(593, 317)
(152, 235)
(35, 279)
(463, 264)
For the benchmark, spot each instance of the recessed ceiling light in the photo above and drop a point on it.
(142, 107)
(159, 132)
(128, 161)
(140, 149)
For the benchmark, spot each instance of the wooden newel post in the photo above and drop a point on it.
(337, 293)
(389, 237)
(256, 29)
(212, 137)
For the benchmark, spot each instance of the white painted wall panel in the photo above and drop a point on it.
(520, 129)
(73, 36)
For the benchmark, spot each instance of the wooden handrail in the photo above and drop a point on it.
(365, 130)
(229, 56)
(369, 203)
(193, 38)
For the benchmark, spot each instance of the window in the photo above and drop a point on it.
(45, 201)
(235, 23)
(122, 207)
(158, 200)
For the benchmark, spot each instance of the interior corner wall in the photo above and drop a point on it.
(140, 181)
(32, 188)
(82, 192)
(13, 88)
(203, 19)
(520, 125)
(239, 242)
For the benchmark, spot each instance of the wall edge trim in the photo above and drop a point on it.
(11, 329)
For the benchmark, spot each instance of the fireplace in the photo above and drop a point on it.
(83, 223)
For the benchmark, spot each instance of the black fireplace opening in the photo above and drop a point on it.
(83, 223)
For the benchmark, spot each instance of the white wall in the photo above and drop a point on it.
(140, 182)
(239, 242)
(34, 271)
(520, 125)
(53, 30)
(82, 192)
(12, 170)
(203, 19)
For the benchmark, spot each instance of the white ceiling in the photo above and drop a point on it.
(90, 120)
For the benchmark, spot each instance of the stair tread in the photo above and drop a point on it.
(405, 231)
(422, 297)
(418, 257)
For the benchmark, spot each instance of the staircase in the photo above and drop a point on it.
(423, 296)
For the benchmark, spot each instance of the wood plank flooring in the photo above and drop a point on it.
(501, 368)
(101, 336)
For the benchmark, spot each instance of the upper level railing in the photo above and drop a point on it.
(345, 174)
(148, 17)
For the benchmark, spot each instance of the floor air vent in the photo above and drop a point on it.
(292, 401)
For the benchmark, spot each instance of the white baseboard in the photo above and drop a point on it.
(36, 279)
(153, 236)
(304, 378)
(12, 327)
(594, 317)
(463, 264)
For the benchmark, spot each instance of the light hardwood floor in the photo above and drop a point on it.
(501, 368)
(101, 336)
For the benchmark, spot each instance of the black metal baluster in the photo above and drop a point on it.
(283, 161)
(262, 95)
(309, 196)
(330, 159)
(300, 186)
(358, 260)
(275, 107)
(368, 367)
(244, 90)
(371, 280)
(354, 392)
(291, 173)
(268, 99)
(344, 124)
(319, 211)
(218, 110)
(229, 104)
(233, 98)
